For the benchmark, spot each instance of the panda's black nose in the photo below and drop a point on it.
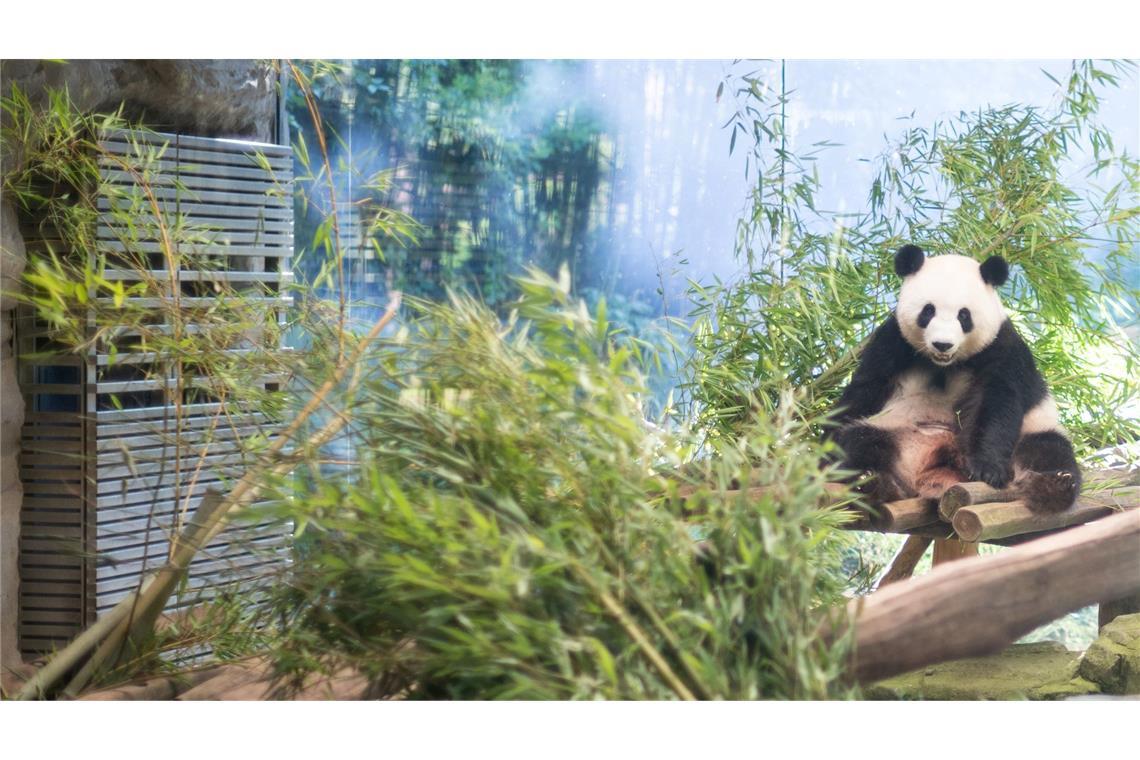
(943, 347)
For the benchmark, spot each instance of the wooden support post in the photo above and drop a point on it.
(902, 567)
(1113, 609)
(986, 603)
(950, 549)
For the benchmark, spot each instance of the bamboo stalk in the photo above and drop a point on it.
(622, 616)
(130, 618)
(158, 688)
(982, 522)
(67, 658)
(142, 618)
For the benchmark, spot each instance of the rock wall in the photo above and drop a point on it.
(11, 418)
(211, 98)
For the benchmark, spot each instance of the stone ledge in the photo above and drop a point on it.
(1041, 670)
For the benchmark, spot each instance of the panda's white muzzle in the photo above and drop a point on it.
(942, 338)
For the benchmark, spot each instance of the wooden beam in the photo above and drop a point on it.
(902, 567)
(896, 516)
(980, 605)
(966, 494)
(982, 522)
(969, 494)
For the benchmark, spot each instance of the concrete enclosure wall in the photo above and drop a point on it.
(210, 98)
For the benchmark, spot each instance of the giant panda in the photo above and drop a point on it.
(947, 391)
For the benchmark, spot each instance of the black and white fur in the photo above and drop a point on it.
(947, 391)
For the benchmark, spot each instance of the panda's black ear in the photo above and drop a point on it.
(908, 260)
(995, 271)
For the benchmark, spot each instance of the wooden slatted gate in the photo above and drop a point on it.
(108, 467)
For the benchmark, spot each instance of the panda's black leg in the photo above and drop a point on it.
(866, 448)
(1048, 476)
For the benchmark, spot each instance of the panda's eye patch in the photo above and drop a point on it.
(965, 319)
(926, 315)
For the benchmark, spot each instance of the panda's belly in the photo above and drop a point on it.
(923, 399)
(922, 411)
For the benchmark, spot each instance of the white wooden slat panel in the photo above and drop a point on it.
(104, 486)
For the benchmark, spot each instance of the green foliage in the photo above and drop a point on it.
(509, 531)
(993, 182)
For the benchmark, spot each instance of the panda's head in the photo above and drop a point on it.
(948, 306)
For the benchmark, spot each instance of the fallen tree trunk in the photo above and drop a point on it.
(982, 522)
(978, 606)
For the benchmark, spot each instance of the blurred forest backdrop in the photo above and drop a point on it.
(628, 171)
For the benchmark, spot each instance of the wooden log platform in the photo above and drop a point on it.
(979, 513)
(895, 516)
(981, 522)
(967, 494)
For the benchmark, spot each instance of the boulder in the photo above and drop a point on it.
(1113, 660)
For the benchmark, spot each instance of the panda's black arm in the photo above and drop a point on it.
(1010, 386)
(886, 355)
(990, 453)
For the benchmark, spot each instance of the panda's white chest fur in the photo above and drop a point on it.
(922, 411)
(925, 399)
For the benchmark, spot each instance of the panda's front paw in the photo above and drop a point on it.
(996, 474)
